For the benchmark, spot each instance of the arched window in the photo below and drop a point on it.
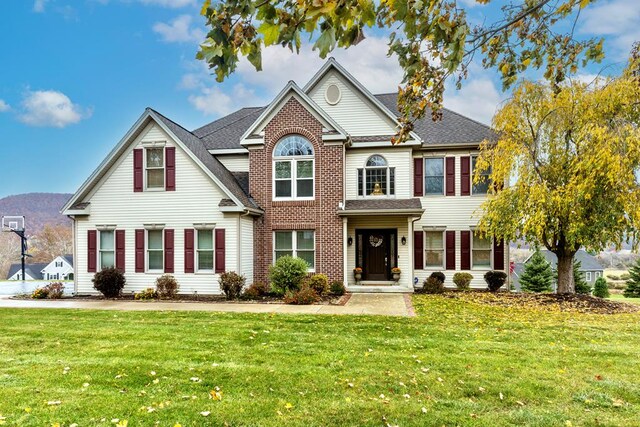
(376, 178)
(293, 168)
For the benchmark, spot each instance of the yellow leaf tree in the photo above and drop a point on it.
(571, 157)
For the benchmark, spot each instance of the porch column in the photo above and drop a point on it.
(410, 221)
(344, 251)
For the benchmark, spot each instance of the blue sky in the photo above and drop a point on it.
(76, 74)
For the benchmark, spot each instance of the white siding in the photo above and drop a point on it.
(195, 200)
(397, 157)
(246, 249)
(357, 115)
(235, 162)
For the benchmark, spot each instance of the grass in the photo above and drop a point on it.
(458, 363)
(621, 298)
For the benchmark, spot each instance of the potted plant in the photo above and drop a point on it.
(357, 273)
(395, 271)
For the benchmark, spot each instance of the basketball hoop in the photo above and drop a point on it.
(12, 224)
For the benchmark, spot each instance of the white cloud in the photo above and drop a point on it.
(179, 30)
(216, 102)
(619, 19)
(479, 99)
(51, 108)
(4, 106)
(38, 5)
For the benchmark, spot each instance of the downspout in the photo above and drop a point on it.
(75, 253)
(411, 248)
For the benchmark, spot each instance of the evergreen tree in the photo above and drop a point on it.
(581, 285)
(633, 284)
(537, 275)
(601, 288)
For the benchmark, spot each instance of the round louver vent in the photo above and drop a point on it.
(332, 94)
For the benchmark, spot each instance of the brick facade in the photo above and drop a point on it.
(318, 214)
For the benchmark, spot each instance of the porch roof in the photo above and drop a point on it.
(406, 207)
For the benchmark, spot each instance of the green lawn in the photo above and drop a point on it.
(621, 298)
(458, 363)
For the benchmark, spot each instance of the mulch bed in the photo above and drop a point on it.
(551, 302)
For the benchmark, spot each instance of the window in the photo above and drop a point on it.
(205, 250)
(434, 176)
(58, 263)
(598, 274)
(155, 168)
(434, 248)
(107, 254)
(299, 244)
(481, 252)
(481, 187)
(155, 250)
(377, 178)
(293, 170)
(588, 276)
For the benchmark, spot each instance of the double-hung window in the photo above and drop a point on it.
(155, 250)
(434, 248)
(293, 169)
(376, 178)
(434, 176)
(482, 186)
(205, 250)
(155, 168)
(107, 250)
(481, 252)
(300, 243)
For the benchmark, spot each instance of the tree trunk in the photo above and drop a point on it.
(565, 273)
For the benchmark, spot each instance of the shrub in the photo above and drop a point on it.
(337, 288)
(432, 285)
(40, 293)
(147, 294)
(110, 282)
(303, 296)
(580, 284)
(287, 274)
(231, 284)
(495, 279)
(54, 290)
(438, 275)
(462, 280)
(601, 289)
(625, 276)
(614, 277)
(256, 290)
(633, 283)
(537, 275)
(319, 283)
(167, 286)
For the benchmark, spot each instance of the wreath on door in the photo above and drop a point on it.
(375, 241)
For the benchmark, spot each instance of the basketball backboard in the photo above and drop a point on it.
(12, 223)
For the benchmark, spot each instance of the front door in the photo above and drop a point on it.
(377, 253)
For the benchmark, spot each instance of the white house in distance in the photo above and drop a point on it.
(313, 174)
(61, 268)
(31, 271)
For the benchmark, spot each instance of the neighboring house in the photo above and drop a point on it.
(31, 271)
(61, 268)
(313, 174)
(589, 267)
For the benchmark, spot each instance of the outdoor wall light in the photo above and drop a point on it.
(403, 240)
(350, 241)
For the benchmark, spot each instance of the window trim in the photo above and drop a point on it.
(444, 248)
(99, 251)
(490, 250)
(587, 276)
(197, 250)
(472, 174)
(146, 250)
(147, 169)
(388, 169)
(294, 246)
(444, 176)
(293, 161)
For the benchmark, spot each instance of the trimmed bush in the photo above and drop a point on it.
(287, 274)
(110, 282)
(462, 280)
(337, 288)
(319, 283)
(601, 289)
(40, 293)
(303, 296)
(495, 279)
(147, 294)
(438, 275)
(54, 290)
(432, 285)
(167, 286)
(231, 284)
(256, 290)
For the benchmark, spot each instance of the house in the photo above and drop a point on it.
(31, 271)
(590, 268)
(313, 174)
(61, 268)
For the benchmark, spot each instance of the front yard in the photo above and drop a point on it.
(457, 363)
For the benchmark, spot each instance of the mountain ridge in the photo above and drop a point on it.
(39, 209)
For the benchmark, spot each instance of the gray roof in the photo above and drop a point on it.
(454, 128)
(32, 270)
(587, 262)
(68, 258)
(383, 204)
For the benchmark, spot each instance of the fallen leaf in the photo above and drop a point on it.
(205, 413)
(53, 402)
(215, 395)
(152, 373)
(156, 381)
(501, 396)
(288, 405)
(424, 410)
(520, 403)
(85, 385)
(195, 379)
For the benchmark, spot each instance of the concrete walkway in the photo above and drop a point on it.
(370, 304)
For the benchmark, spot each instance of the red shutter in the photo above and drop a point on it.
(120, 259)
(137, 170)
(465, 250)
(139, 251)
(220, 251)
(170, 181)
(418, 250)
(498, 254)
(450, 249)
(451, 176)
(189, 239)
(418, 177)
(168, 251)
(465, 176)
(92, 247)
